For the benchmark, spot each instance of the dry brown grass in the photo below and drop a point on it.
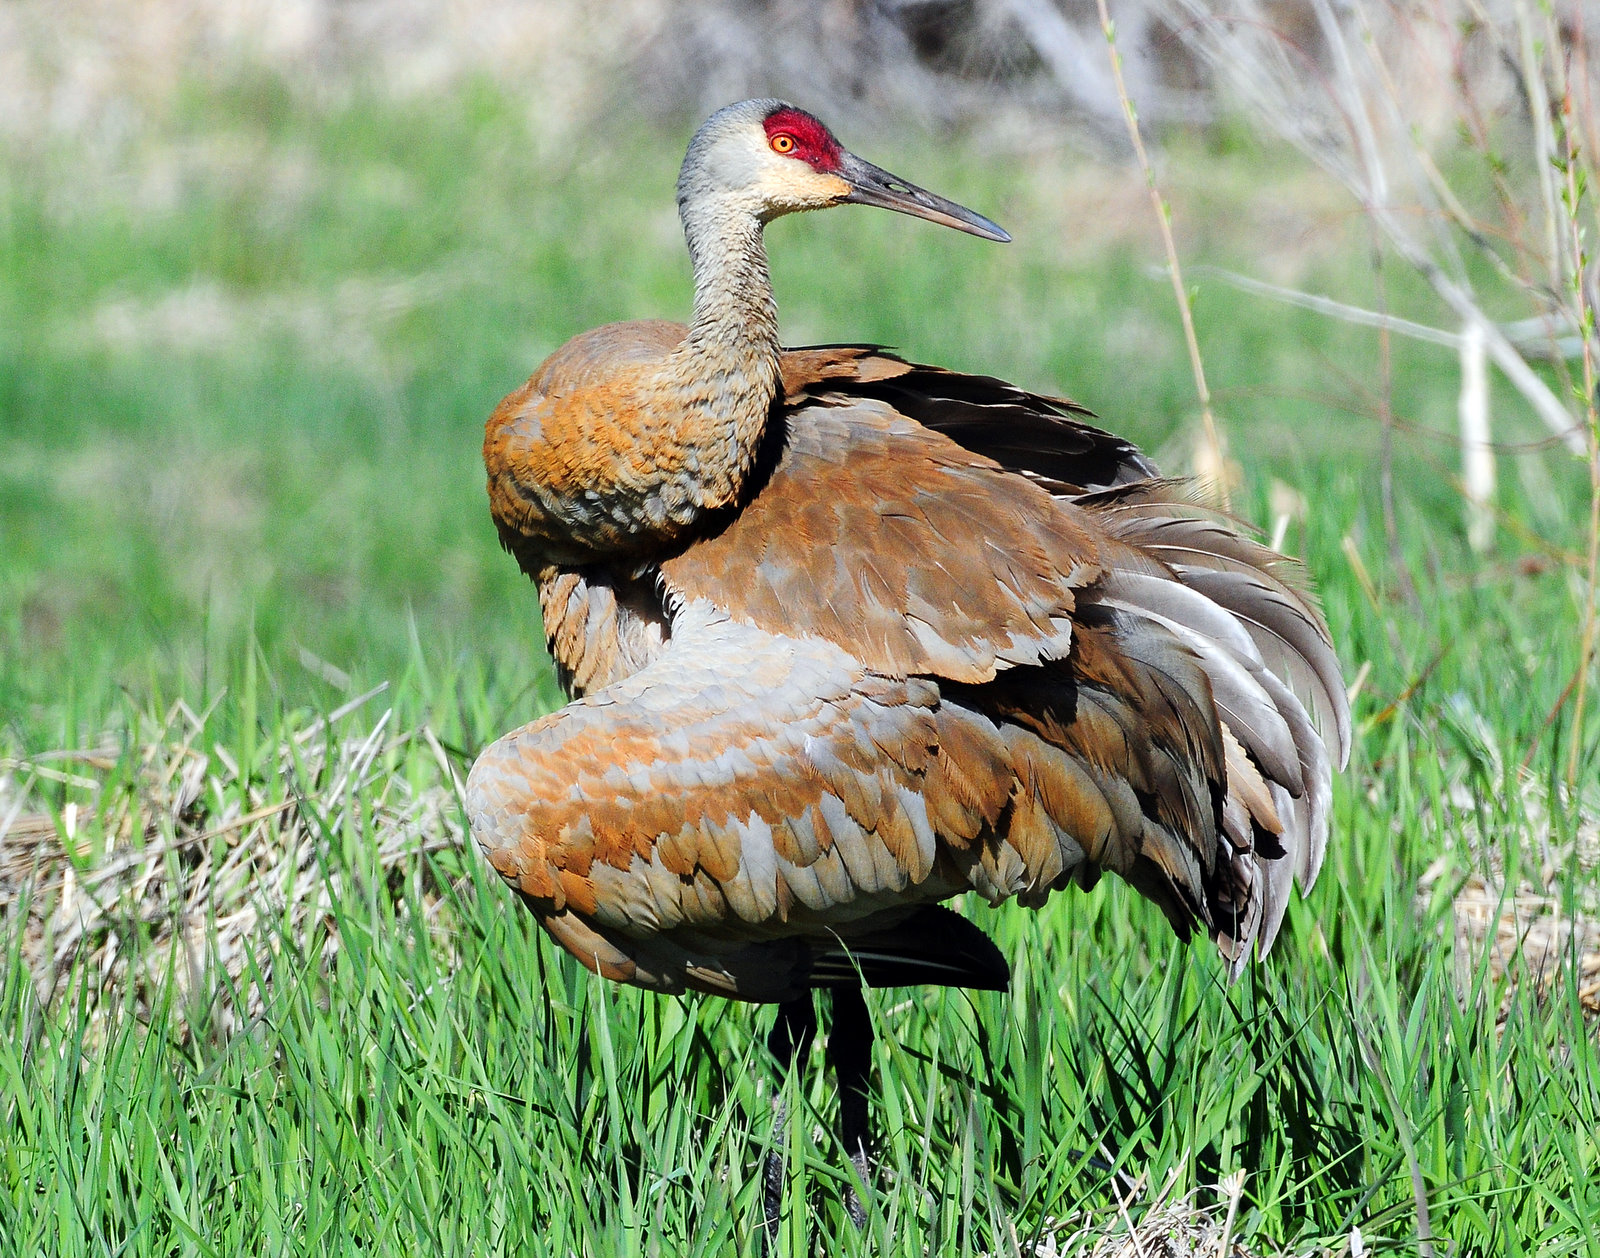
(1525, 927)
(1527, 936)
(1199, 1224)
(175, 861)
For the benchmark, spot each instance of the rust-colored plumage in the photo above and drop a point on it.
(848, 636)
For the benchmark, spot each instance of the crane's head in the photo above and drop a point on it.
(769, 158)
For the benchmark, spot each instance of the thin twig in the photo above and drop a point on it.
(1544, 145)
(1356, 165)
(1329, 306)
(1549, 337)
(1459, 298)
(1214, 450)
(1573, 196)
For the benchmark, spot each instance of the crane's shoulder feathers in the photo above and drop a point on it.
(593, 359)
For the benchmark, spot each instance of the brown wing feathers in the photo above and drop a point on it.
(700, 809)
(1234, 604)
(912, 553)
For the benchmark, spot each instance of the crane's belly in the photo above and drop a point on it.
(770, 961)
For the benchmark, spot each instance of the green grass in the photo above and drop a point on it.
(242, 380)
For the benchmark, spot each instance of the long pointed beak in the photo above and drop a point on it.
(870, 185)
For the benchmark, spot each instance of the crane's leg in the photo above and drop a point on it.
(850, 1047)
(788, 1042)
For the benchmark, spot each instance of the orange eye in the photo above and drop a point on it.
(783, 144)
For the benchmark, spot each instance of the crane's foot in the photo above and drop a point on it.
(850, 1049)
(790, 1039)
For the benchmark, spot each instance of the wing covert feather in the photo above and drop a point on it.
(897, 545)
(713, 808)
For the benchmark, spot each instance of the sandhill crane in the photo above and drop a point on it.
(848, 636)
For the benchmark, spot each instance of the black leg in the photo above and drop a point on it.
(789, 1041)
(850, 1048)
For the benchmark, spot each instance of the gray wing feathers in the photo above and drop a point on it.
(1230, 660)
(1275, 681)
(1250, 582)
(1311, 807)
(1291, 639)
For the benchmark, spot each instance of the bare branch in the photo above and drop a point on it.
(1249, 56)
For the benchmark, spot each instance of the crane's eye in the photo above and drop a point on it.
(783, 144)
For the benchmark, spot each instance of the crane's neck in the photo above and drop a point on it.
(735, 313)
(722, 380)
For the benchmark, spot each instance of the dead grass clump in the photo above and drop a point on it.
(1162, 1226)
(177, 863)
(1535, 925)
(1520, 932)
(1527, 936)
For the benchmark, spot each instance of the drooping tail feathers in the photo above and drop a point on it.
(1275, 679)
